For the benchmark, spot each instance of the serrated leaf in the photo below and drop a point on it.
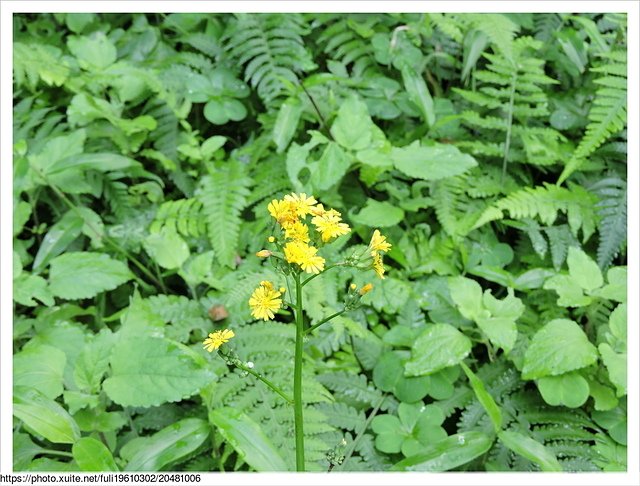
(583, 270)
(40, 367)
(352, 126)
(82, 275)
(166, 446)
(467, 295)
(559, 347)
(148, 371)
(432, 162)
(95, 52)
(438, 347)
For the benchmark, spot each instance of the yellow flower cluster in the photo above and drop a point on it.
(290, 213)
(217, 339)
(378, 244)
(265, 300)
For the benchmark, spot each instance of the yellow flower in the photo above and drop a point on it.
(263, 253)
(305, 256)
(297, 231)
(271, 239)
(366, 289)
(302, 203)
(377, 265)
(378, 243)
(329, 225)
(217, 339)
(284, 212)
(265, 301)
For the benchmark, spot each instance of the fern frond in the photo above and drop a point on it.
(34, 62)
(456, 211)
(271, 49)
(223, 195)
(182, 215)
(612, 209)
(354, 388)
(608, 113)
(183, 316)
(544, 202)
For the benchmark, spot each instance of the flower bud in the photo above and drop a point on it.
(271, 239)
(263, 254)
(353, 286)
(282, 290)
(366, 289)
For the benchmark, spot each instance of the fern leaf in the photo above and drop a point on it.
(33, 62)
(182, 215)
(608, 114)
(612, 209)
(271, 49)
(223, 195)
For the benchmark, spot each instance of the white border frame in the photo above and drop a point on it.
(7, 8)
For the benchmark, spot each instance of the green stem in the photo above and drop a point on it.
(317, 274)
(265, 381)
(53, 452)
(297, 379)
(326, 319)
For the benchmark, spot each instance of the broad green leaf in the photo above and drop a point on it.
(530, 449)
(389, 433)
(604, 397)
(559, 347)
(438, 347)
(583, 270)
(467, 295)
(448, 453)
(484, 398)
(167, 248)
(433, 162)
(569, 389)
(141, 319)
(616, 288)
(82, 275)
(616, 364)
(57, 149)
(58, 238)
(103, 162)
(330, 167)
(93, 361)
(377, 214)
(416, 86)
(44, 416)
(24, 450)
(247, 439)
(40, 367)
(27, 288)
(95, 52)
(352, 126)
(286, 123)
(96, 420)
(569, 292)
(148, 371)
(92, 455)
(618, 323)
(178, 440)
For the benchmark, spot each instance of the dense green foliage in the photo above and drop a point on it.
(491, 151)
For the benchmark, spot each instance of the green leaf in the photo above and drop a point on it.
(352, 126)
(448, 453)
(559, 347)
(583, 270)
(438, 347)
(389, 433)
(82, 275)
(501, 327)
(27, 288)
(568, 389)
(44, 416)
(286, 123)
(95, 52)
(530, 449)
(40, 367)
(93, 361)
(467, 295)
(165, 447)
(148, 371)
(24, 450)
(484, 398)
(92, 455)
(247, 439)
(569, 292)
(377, 214)
(616, 364)
(431, 163)
(58, 238)
(330, 167)
(167, 248)
(419, 93)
